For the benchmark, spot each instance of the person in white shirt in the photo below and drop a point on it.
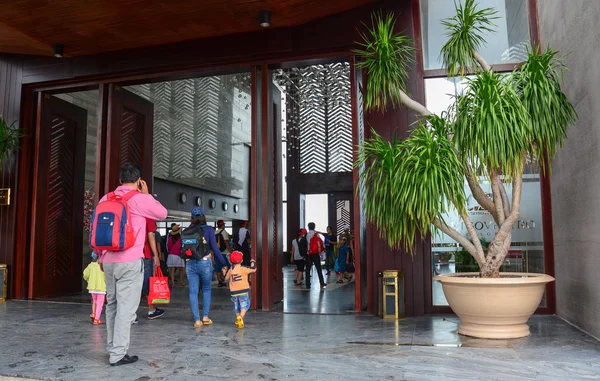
(299, 254)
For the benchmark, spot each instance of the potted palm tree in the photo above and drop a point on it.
(498, 124)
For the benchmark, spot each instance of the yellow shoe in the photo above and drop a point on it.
(239, 322)
(198, 324)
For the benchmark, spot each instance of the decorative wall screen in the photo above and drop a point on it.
(319, 118)
(202, 131)
(343, 215)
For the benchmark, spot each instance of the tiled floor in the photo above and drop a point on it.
(335, 299)
(56, 341)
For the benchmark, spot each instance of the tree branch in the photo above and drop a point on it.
(480, 257)
(508, 224)
(413, 105)
(461, 239)
(497, 197)
(482, 62)
(480, 196)
(505, 201)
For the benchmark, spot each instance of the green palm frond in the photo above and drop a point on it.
(538, 83)
(10, 138)
(386, 56)
(408, 184)
(492, 126)
(465, 31)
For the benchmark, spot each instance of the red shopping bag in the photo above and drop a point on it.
(159, 288)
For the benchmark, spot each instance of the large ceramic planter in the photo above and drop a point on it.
(494, 308)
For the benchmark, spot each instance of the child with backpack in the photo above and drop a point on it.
(94, 276)
(239, 286)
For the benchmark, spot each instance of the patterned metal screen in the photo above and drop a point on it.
(319, 118)
(202, 131)
(343, 215)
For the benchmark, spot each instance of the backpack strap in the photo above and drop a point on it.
(129, 194)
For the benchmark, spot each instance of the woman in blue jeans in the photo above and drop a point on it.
(199, 271)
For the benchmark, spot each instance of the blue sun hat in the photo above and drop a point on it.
(94, 256)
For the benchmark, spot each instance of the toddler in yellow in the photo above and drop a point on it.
(97, 287)
(239, 286)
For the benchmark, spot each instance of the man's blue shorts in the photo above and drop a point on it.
(241, 302)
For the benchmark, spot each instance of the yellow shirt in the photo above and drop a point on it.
(95, 278)
(237, 277)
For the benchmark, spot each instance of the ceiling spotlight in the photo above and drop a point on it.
(59, 50)
(265, 19)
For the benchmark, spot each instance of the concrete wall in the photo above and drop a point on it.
(571, 26)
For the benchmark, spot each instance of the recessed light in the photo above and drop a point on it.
(265, 18)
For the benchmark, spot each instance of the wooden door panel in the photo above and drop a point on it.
(57, 225)
(129, 135)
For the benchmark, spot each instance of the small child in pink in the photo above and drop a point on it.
(94, 276)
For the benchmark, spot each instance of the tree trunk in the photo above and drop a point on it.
(493, 261)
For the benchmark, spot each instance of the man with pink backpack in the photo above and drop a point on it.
(119, 231)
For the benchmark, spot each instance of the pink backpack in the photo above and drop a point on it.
(111, 224)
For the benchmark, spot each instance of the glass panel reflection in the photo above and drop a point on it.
(507, 45)
(202, 131)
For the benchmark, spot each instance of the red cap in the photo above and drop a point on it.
(244, 224)
(236, 257)
(303, 231)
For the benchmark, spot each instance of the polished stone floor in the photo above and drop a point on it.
(334, 299)
(56, 341)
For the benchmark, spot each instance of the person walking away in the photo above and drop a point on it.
(350, 242)
(239, 286)
(161, 245)
(174, 261)
(315, 248)
(124, 269)
(330, 244)
(299, 252)
(223, 239)
(96, 285)
(198, 240)
(342, 259)
(151, 261)
(242, 242)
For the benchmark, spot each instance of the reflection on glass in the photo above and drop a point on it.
(527, 249)
(507, 44)
(202, 131)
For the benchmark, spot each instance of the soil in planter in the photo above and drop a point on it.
(502, 275)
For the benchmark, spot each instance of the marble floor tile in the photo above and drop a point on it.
(55, 341)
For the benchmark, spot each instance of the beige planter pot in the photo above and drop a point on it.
(494, 308)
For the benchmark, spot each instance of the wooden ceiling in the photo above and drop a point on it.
(88, 27)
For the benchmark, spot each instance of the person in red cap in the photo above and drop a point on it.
(299, 253)
(239, 286)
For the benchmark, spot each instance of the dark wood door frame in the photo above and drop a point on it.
(67, 257)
